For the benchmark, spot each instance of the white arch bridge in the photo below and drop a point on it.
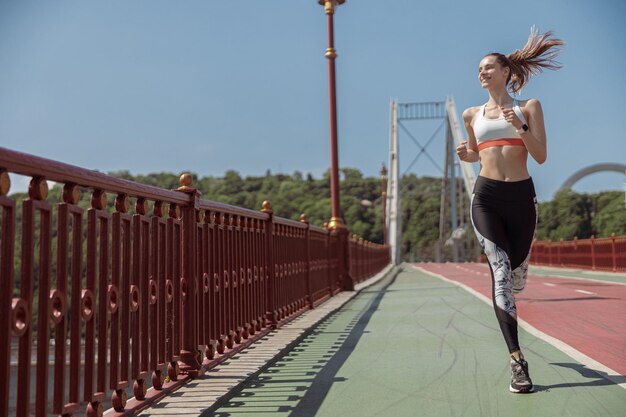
(592, 169)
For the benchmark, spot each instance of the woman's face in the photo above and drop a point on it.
(491, 73)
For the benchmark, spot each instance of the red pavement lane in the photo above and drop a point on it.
(590, 316)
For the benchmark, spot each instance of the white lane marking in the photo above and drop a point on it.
(579, 270)
(602, 281)
(544, 275)
(549, 284)
(585, 292)
(559, 344)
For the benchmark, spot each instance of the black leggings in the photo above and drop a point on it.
(504, 215)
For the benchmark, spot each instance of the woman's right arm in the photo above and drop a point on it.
(469, 153)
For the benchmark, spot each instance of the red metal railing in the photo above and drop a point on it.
(149, 295)
(364, 257)
(607, 254)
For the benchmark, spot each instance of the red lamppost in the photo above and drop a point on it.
(383, 196)
(336, 222)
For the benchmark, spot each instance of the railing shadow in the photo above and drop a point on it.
(297, 382)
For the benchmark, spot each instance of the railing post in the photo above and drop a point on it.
(343, 235)
(360, 260)
(613, 252)
(270, 279)
(593, 253)
(329, 274)
(307, 251)
(355, 257)
(8, 326)
(189, 353)
(550, 252)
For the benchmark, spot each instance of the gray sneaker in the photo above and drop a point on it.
(520, 378)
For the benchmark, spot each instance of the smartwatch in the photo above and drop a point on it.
(523, 129)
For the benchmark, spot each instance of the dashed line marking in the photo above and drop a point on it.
(585, 292)
(549, 284)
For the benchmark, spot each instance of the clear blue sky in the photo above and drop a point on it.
(209, 86)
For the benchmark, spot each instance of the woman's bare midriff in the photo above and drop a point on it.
(504, 163)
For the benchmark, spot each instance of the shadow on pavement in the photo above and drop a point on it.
(297, 381)
(596, 378)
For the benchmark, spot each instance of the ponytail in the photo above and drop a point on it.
(539, 52)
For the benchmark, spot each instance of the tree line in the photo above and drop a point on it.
(569, 214)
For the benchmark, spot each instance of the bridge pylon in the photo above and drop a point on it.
(458, 179)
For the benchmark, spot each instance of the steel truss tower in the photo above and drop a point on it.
(454, 198)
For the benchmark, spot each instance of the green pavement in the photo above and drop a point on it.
(414, 345)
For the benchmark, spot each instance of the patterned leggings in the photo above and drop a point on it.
(504, 215)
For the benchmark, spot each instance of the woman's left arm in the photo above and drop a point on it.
(535, 137)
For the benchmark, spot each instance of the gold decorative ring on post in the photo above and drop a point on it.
(5, 182)
(329, 5)
(38, 188)
(71, 193)
(336, 223)
(98, 200)
(122, 203)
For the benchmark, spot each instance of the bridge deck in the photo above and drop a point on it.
(421, 345)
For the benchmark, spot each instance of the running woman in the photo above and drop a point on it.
(500, 134)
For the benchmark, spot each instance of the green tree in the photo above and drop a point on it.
(565, 217)
(610, 214)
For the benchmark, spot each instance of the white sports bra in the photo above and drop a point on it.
(497, 132)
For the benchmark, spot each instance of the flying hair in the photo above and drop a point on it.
(539, 52)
